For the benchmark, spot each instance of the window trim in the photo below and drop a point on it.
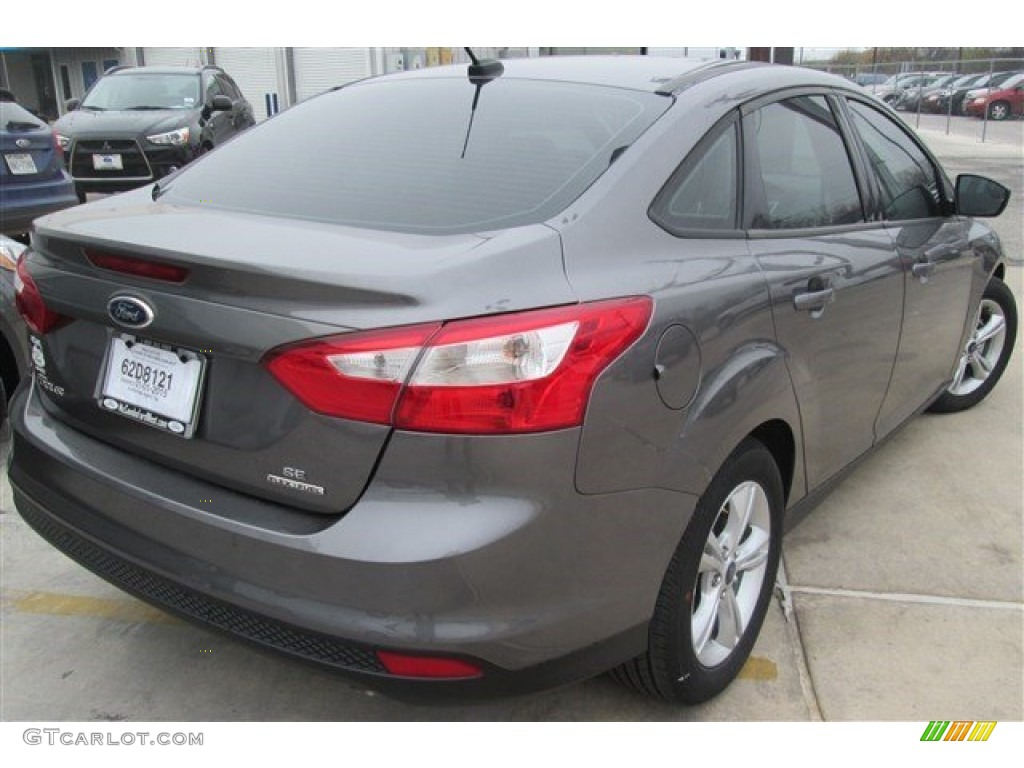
(695, 155)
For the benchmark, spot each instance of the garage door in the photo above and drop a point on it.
(317, 69)
(172, 57)
(255, 71)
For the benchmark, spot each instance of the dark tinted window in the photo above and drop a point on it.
(906, 177)
(805, 178)
(702, 194)
(410, 155)
(227, 85)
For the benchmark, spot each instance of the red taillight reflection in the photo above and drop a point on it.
(39, 318)
(427, 666)
(153, 270)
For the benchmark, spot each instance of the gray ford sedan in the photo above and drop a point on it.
(477, 380)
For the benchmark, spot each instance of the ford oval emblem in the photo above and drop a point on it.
(130, 312)
(23, 143)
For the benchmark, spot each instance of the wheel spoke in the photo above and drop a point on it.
(704, 619)
(710, 562)
(961, 371)
(996, 325)
(754, 550)
(730, 620)
(982, 367)
(741, 506)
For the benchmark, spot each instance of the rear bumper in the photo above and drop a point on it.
(479, 549)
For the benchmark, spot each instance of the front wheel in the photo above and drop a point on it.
(999, 110)
(987, 352)
(718, 586)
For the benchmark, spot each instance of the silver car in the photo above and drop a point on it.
(480, 380)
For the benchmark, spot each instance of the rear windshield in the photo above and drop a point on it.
(144, 91)
(413, 156)
(14, 118)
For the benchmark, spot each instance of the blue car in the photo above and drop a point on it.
(33, 181)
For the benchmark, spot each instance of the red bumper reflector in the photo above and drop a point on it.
(427, 666)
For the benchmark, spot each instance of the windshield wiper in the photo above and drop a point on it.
(145, 106)
(94, 109)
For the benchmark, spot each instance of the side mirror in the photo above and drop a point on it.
(979, 196)
(221, 103)
(71, 105)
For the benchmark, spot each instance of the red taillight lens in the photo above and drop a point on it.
(29, 302)
(523, 372)
(57, 147)
(153, 270)
(427, 666)
(527, 372)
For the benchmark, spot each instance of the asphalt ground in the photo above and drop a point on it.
(901, 597)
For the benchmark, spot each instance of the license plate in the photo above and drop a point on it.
(21, 164)
(154, 384)
(107, 163)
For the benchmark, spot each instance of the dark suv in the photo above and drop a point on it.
(138, 124)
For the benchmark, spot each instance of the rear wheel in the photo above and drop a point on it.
(987, 352)
(999, 110)
(716, 592)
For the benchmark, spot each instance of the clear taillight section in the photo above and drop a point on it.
(523, 372)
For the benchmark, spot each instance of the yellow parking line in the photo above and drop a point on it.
(56, 604)
(760, 669)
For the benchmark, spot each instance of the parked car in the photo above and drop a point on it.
(980, 89)
(139, 124)
(869, 79)
(32, 177)
(13, 341)
(913, 96)
(999, 103)
(891, 90)
(937, 101)
(522, 385)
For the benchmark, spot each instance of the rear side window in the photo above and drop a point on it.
(702, 194)
(413, 156)
(803, 175)
(907, 179)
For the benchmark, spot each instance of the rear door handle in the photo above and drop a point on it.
(813, 301)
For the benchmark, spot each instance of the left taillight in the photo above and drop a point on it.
(522, 372)
(30, 304)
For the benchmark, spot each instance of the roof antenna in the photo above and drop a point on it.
(480, 74)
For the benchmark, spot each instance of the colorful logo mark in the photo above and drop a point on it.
(958, 730)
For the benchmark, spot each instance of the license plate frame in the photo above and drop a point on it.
(107, 162)
(21, 164)
(124, 387)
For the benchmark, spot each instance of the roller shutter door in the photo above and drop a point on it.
(172, 57)
(255, 72)
(317, 69)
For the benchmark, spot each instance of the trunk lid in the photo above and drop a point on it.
(255, 283)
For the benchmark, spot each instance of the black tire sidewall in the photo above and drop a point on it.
(999, 292)
(678, 673)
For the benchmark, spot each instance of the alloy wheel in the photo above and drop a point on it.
(983, 349)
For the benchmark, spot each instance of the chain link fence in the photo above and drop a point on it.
(940, 87)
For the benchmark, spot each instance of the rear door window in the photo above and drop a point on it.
(801, 175)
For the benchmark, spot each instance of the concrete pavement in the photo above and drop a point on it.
(903, 598)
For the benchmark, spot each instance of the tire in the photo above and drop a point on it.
(80, 194)
(696, 591)
(998, 110)
(987, 352)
